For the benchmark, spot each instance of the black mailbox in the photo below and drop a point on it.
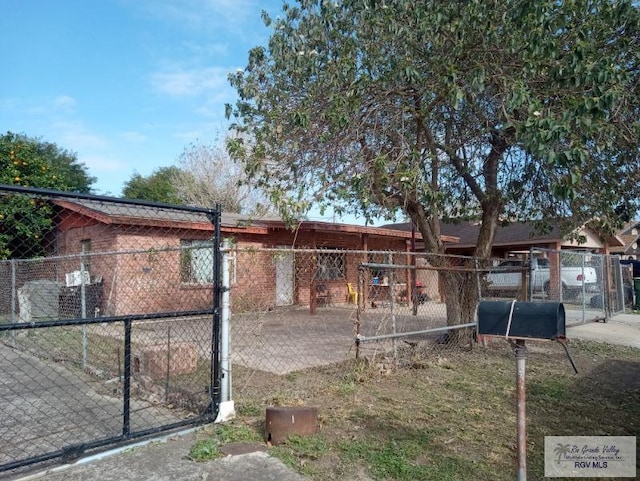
(521, 320)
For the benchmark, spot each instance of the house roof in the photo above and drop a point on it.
(628, 238)
(513, 234)
(162, 216)
(156, 216)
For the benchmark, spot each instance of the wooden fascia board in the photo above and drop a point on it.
(359, 230)
(147, 222)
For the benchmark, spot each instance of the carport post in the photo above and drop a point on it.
(521, 352)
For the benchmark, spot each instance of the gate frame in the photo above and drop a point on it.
(211, 413)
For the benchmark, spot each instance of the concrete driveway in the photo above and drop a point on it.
(622, 329)
(47, 407)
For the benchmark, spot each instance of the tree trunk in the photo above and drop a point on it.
(461, 299)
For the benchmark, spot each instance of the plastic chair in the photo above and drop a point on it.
(352, 294)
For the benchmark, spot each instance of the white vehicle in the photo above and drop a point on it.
(507, 277)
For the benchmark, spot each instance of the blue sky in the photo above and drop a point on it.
(125, 84)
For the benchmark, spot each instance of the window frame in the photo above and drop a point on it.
(331, 265)
(189, 272)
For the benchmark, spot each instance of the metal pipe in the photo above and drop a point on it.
(225, 368)
(358, 310)
(176, 315)
(13, 290)
(369, 265)
(126, 390)
(413, 273)
(168, 373)
(413, 333)
(392, 296)
(215, 338)
(83, 312)
(521, 352)
(584, 294)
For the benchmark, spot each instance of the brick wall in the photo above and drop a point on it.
(141, 273)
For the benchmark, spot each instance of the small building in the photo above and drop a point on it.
(159, 259)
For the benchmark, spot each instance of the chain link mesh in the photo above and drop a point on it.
(591, 286)
(102, 283)
(105, 323)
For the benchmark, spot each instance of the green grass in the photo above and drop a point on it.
(210, 448)
(447, 416)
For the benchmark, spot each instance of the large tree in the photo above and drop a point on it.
(494, 109)
(204, 175)
(159, 186)
(32, 162)
(207, 175)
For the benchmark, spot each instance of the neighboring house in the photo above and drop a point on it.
(630, 236)
(518, 237)
(139, 254)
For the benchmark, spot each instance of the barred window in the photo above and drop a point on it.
(331, 265)
(196, 261)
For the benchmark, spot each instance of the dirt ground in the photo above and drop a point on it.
(453, 409)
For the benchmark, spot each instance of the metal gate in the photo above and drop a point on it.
(109, 323)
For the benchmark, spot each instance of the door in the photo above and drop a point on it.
(284, 278)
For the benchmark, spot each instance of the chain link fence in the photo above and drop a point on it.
(108, 308)
(106, 323)
(593, 287)
(293, 310)
(298, 309)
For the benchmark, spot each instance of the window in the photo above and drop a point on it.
(196, 261)
(331, 265)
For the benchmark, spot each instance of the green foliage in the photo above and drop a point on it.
(157, 187)
(396, 459)
(207, 449)
(525, 110)
(31, 162)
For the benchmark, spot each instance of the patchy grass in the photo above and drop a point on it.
(446, 416)
(221, 434)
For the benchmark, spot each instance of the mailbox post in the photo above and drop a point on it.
(521, 409)
(517, 322)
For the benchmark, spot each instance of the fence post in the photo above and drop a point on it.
(126, 389)
(392, 288)
(83, 312)
(217, 298)
(13, 291)
(225, 368)
(521, 414)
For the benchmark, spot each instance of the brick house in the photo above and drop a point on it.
(519, 237)
(157, 259)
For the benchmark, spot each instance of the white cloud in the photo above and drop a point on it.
(99, 164)
(134, 137)
(206, 132)
(188, 136)
(201, 15)
(64, 101)
(191, 82)
(74, 136)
